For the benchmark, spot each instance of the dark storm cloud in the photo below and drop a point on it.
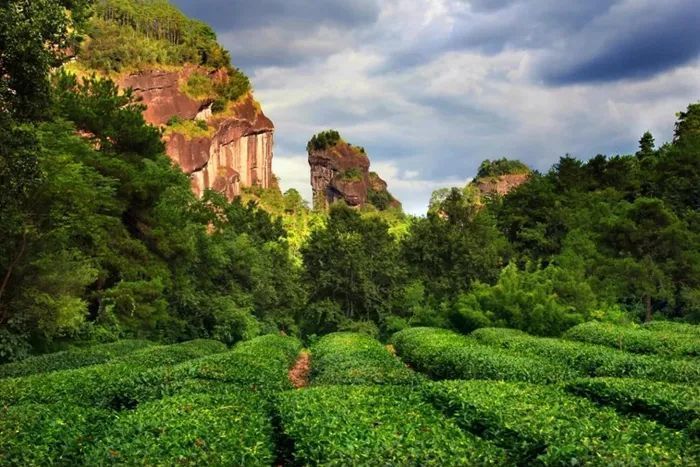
(630, 45)
(278, 32)
(578, 42)
(226, 15)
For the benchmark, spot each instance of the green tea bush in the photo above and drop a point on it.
(591, 359)
(636, 339)
(55, 434)
(375, 425)
(673, 327)
(352, 358)
(189, 429)
(674, 405)
(443, 354)
(74, 358)
(259, 364)
(121, 383)
(544, 425)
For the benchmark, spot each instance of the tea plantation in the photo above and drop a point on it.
(602, 395)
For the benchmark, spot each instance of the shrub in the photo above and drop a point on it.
(55, 434)
(387, 425)
(673, 327)
(674, 405)
(500, 167)
(74, 358)
(591, 359)
(236, 85)
(443, 354)
(121, 383)
(260, 364)
(191, 429)
(324, 140)
(636, 339)
(198, 86)
(352, 358)
(544, 425)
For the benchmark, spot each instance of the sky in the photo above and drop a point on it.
(433, 87)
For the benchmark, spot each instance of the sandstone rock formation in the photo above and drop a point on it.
(500, 185)
(340, 171)
(237, 149)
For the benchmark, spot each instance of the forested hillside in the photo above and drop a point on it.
(103, 238)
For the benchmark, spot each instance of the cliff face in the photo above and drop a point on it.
(341, 172)
(236, 149)
(500, 185)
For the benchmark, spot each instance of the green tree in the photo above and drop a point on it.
(646, 146)
(355, 263)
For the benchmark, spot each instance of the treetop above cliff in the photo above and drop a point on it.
(328, 139)
(503, 166)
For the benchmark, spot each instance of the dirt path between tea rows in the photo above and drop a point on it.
(299, 374)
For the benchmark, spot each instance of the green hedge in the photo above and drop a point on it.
(191, 429)
(591, 359)
(544, 425)
(259, 364)
(117, 385)
(56, 434)
(673, 326)
(352, 358)
(443, 354)
(636, 339)
(74, 358)
(375, 425)
(674, 405)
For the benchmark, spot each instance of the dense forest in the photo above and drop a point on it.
(103, 239)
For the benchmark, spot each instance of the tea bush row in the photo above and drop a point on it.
(443, 354)
(674, 405)
(260, 364)
(74, 358)
(114, 385)
(673, 326)
(375, 425)
(543, 425)
(592, 359)
(189, 429)
(636, 339)
(51, 434)
(352, 358)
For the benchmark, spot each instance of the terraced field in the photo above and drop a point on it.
(496, 397)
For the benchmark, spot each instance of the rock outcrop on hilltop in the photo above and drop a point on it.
(340, 171)
(229, 150)
(500, 177)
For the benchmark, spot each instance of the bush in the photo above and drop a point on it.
(198, 86)
(118, 384)
(236, 85)
(74, 358)
(673, 327)
(591, 359)
(192, 429)
(443, 354)
(324, 140)
(636, 339)
(500, 167)
(544, 425)
(55, 434)
(260, 364)
(674, 405)
(350, 358)
(387, 425)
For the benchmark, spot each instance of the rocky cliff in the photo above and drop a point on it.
(224, 151)
(340, 171)
(500, 185)
(501, 176)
